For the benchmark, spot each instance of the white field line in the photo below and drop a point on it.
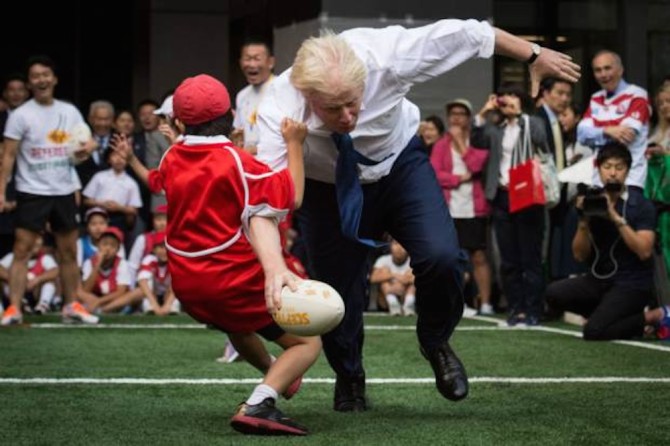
(499, 326)
(228, 381)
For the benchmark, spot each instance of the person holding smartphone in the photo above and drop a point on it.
(618, 245)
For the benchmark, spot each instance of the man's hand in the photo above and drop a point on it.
(274, 283)
(293, 131)
(467, 176)
(237, 137)
(82, 153)
(619, 133)
(121, 144)
(168, 132)
(654, 149)
(551, 63)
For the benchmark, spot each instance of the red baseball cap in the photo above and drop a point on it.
(161, 209)
(114, 232)
(200, 99)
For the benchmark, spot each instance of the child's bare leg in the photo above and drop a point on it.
(130, 298)
(89, 300)
(299, 355)
(252, 349)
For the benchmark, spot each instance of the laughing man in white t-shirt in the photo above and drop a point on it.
(38, 138)
(256, 62)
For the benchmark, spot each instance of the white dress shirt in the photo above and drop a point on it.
(396, 58)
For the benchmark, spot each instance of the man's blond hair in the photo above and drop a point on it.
(327, 66)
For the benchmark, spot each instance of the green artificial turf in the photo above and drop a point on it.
(402, 414)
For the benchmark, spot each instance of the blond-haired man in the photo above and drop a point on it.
(367, 173)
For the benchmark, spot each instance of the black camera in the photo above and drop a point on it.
(595, 201)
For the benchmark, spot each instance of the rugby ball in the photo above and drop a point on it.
(79, 134)
(313, 309)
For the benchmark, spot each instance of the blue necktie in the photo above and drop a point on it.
(348, 188)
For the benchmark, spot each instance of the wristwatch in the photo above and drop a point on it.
(621, 222)
(536, 49)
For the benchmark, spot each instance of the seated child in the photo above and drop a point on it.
(144, 243)
(42, 276)
(154, 284)
(97, 221)
(105, 276)
(396, 281)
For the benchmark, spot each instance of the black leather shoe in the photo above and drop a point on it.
(350, 394)
(450, 377)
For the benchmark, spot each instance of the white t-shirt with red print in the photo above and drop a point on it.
(43, 162)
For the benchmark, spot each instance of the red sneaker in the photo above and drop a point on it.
(264, 419)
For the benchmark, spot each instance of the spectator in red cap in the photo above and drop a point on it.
(224, 206)
(144, 243)
(105, 275)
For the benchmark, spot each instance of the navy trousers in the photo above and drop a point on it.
(408, 203)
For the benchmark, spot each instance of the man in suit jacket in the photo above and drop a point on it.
(101, 119)
(556, 97)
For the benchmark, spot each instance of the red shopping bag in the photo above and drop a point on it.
(525, 186)
(525, 175)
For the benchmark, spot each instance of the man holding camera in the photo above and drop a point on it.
(615, 237)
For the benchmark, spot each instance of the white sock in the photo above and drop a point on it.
(47, 293)
(261, 393)
(409, 302)
(393, 303)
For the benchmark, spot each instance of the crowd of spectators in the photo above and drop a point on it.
(517, 260)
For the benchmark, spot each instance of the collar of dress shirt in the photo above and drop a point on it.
(550, 113)
(621, 86)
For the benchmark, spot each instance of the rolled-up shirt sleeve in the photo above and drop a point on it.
(419, 54)
(590, 135)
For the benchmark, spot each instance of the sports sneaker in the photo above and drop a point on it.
(41, 308)
(11, 316)
(486, 310)
(76, 313)
(663, 331)
(264, 419)
(230, 355)
(293, 388)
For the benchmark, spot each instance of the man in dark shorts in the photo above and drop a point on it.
(39, 137)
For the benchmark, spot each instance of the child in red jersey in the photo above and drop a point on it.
(144, 243)
(154, 284)
(224, 250)
(105, 276)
